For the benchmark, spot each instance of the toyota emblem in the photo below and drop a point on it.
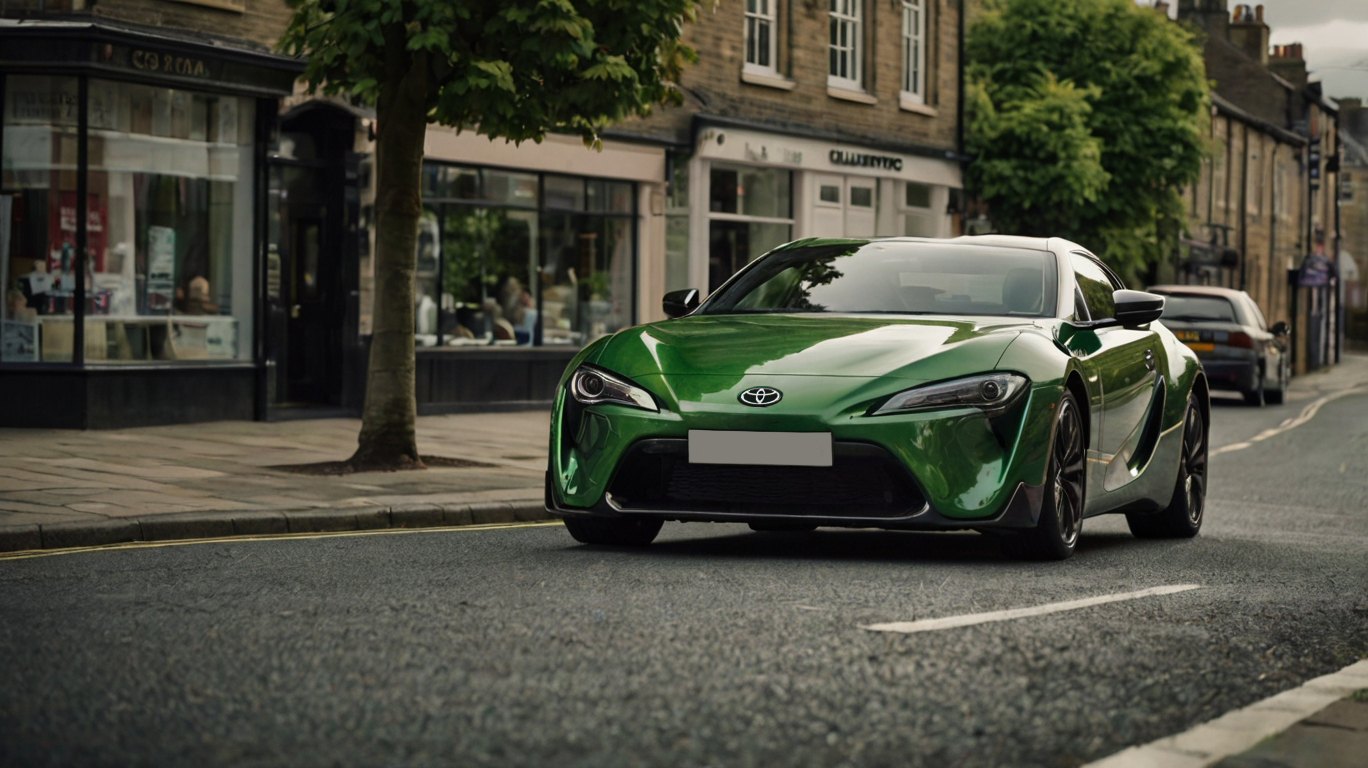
(760, 396)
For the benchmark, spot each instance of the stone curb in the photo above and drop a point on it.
(221, 524)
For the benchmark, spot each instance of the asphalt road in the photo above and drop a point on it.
(714, 647)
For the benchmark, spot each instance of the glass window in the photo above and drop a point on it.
(895, 278)
(1096, 287)
(587, 277)
(39, 180)
(1198, 308)
(862, 197)
(510, 188)
(171, 189)
(751, 191)
(564, 193)
(845, 44)
(760, 35)
(830, 193)
(488, 258)
(918, 195)
(752, 212)
(914, 50)
(677, 226)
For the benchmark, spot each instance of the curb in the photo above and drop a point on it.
(227, 523)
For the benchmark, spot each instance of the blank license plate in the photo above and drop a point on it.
(790, 449)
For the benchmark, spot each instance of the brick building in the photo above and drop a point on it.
(1353, 255)
(1266, 198)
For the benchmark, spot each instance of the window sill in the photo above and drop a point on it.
(768, 80)
(846, 94)
(909, 104)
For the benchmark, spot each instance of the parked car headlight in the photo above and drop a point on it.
(591, 386)
(992, 393)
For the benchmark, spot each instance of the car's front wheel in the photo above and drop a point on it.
(1182, 518)
(1061, 518)
(613, 532)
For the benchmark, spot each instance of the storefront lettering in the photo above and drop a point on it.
(842, 157)
(151, 61)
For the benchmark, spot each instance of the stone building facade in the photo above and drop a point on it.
(1266, 198)
(1353, 254)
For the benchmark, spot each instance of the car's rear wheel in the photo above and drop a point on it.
(1061, 518)
(1183, 516)
(614, 532)
(783, 527)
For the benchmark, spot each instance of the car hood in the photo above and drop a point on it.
(923, 348)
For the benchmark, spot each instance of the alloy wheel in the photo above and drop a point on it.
(1067, 485)
(1194, 465)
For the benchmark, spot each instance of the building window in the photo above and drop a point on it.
(750, 212)
(845, 49)
(517, 259)
(168, 222)
(677, 224)
(914, 50)
(760, 41)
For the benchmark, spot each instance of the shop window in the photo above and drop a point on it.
(750, 213)
(918, 195)
(168, 220)
(914, 51)
(760, 39)
(862, 197)
(846, 45)
(829, 193)
(518, 268)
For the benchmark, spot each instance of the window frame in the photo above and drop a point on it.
(752, 22)
(847, 15)
(912, 87)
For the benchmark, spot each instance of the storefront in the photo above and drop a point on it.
(745, 191)
(130, 223)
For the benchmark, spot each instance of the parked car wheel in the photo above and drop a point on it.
(1255, 397)
(1182, 518)
(1278, 395)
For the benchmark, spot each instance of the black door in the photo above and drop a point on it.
(311, 317)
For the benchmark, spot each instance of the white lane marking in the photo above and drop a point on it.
(970, 619)
(1235, 732)
(1308, 413)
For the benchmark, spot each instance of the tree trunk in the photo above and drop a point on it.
(388, 439)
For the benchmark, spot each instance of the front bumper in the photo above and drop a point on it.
(951, 469)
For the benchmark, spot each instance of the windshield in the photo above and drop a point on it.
(1198, 308)
(894, 278)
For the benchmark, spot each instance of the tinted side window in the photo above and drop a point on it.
(1096, 287)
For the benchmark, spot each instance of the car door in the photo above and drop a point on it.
(1123, 361)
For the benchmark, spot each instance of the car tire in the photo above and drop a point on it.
(1278, 396)
(614, 532)
(1255, 396)
(1055, 535)
(783, 527)
(1182, 518)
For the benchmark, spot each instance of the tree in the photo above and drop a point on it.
(511, 69)
(1086, 118)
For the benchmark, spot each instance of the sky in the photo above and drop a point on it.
(1333, 34)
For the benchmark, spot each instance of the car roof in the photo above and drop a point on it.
(1198, 290)
(1001, 241)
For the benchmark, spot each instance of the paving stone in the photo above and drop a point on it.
(15, 538)
(90, 534)
(457, 514)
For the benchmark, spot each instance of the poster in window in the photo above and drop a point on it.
(161, 268)
(19, 342)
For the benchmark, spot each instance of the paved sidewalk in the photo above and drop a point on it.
(61, 488)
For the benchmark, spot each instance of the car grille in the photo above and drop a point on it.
(864, 481)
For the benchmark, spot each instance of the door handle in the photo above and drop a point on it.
(1149, 359)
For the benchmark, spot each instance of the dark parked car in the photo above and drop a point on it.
(1227, 331)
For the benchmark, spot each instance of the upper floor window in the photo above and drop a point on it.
(844, 70)
(914, 50)
(760, 23)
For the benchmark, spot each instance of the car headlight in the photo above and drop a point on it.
(591, 386)
(993, 393)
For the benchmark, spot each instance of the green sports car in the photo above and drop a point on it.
(1008, 385)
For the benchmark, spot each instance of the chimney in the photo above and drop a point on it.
(1210, 15)
(1249, 33)
(1287, 63)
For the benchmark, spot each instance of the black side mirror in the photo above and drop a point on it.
(680, 303)
(1279, 328)
(1135, 308)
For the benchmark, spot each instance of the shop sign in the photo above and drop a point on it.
(864, 160)
(168, 63)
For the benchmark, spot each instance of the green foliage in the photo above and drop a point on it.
(513, 69)
(1086, 119)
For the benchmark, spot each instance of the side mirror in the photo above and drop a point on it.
(680, 303)
(1134, 308)
(1280, 328)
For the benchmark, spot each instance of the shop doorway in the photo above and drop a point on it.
(307, 263)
